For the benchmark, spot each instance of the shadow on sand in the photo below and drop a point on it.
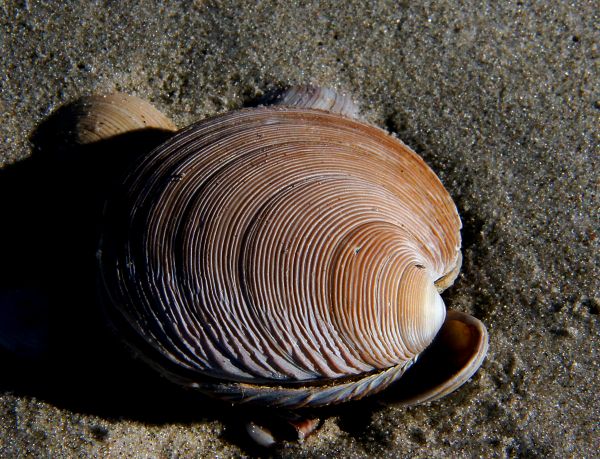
(53, 341)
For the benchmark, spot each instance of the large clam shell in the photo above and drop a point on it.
(282, 255)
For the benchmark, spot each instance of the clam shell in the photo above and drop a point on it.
(319, 98)
(283, 255)
(102, 117)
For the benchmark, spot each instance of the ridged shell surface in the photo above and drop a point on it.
(317, 97)
(95, 118)
(279, 245)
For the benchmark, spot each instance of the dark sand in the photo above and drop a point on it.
(502, 101)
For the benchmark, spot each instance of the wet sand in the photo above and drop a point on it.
(502, 101)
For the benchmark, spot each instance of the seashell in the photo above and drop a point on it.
(318, 98)
(286, 256)
(101, 117)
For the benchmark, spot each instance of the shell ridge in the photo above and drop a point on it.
(330, 392)
(282, 196)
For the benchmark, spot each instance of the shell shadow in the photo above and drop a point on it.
(54, 344)
(357, 421)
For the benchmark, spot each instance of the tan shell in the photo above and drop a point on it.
(101, 117)
(286, 256)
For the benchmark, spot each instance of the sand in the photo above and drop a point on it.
(502, 100)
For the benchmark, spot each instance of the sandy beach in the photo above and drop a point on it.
(502, 100)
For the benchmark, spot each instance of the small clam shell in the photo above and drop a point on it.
(317, 98)
(96, 118)
(286, 256)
